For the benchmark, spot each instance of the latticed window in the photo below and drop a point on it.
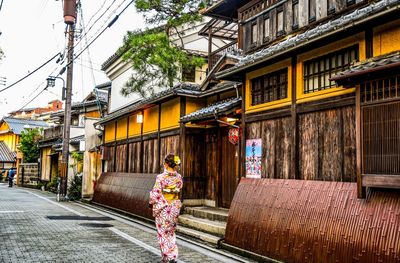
(318, 71)
(269, 87)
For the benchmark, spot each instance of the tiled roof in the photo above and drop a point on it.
(209, 111)
(373, 64)
(313, 34)
(18, 125)
(180, 89)
(6, 155)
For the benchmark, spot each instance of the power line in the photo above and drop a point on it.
(26, 76)
(1, 4)
(110, 24)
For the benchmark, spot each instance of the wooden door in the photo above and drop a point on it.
(229, 170)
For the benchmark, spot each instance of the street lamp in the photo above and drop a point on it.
(51, 82)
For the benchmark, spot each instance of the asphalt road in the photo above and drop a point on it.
(36, 228)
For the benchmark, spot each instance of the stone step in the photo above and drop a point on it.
(209, 226)
(209, 238)
(211, 213)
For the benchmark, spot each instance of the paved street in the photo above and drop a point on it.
(35, 228)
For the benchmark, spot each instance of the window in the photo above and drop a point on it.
(295, 24)
(280, 21)
(312, 10)
(189, 74)
(317, 72)
(269, 87)
(254, 32)
(266, 28)
(331, 6)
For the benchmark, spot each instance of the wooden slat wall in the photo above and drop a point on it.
(169, 145)
(120, 158)
(314, 221)
(109, 157)
(150, 157)
(327, 148)
(229, 169)
(194, 164)
(276, 137)
(211, 169)
(381, 139)
(134, 160)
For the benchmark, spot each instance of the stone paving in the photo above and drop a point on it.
(28, 235)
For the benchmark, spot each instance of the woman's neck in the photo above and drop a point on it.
(170, 170)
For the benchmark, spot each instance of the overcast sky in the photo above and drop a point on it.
(33, 32)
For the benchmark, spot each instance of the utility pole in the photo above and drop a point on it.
(70, 20)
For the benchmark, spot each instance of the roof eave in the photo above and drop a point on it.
(227, 73)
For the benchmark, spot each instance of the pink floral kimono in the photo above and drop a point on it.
(166, 208)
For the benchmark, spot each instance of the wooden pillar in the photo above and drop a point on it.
(115, 147)
(242, 160)
(182, 139)
(141, 143)
(127, 147)
(295, 138)
(360, 189)
(369, 43)
(160, 161)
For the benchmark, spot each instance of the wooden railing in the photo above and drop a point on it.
(217, 54)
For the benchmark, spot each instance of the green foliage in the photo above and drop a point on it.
(53, 184)
(170, 13)
(28, 145)
(156, 61)
(75, 188)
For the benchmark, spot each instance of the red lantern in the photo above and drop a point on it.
(234, 136)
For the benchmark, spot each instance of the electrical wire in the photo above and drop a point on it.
(30, 73)
(1, 4)
(110, 24)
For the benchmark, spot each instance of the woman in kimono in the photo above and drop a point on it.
(166, 206)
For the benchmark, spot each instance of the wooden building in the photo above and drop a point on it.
(83, 139)
(320, 97)
(10, 135)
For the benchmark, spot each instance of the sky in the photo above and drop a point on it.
(34, 31)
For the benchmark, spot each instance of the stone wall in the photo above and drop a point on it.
(28, 174)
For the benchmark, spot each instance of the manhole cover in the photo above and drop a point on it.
(85, 218)
(96, 225)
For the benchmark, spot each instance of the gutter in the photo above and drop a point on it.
(364, 20)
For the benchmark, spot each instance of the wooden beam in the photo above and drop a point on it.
(369, 43)
(159, 135)
(182, 139)
(115, 148)
(295, 137)
(382, 181)
(127, 147)
(360, 189)
(141, 144)
(242, 160)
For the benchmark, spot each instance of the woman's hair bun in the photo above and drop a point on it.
(172, 160)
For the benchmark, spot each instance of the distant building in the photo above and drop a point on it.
(38, 113)
(10, 134)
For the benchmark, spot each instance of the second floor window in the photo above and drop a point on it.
(331, 6)
(312, 10)
(295, 23)
(318, 71)
(266, 29)
(254, 32)
(280, 22)
(270, 87)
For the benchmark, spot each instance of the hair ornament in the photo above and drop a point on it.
(177, 160)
